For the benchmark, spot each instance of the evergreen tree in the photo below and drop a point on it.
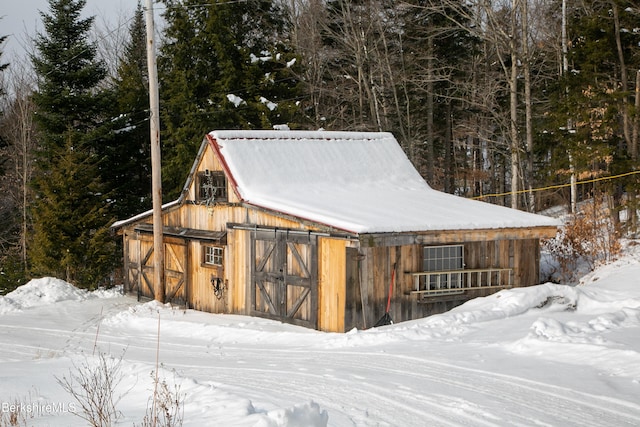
(9, 222)
(71, 237)
(130, 164)
(223, 64)
(587, 124)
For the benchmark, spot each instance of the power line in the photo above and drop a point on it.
(554, 187)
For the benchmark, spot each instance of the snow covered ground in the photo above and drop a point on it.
(549, 355)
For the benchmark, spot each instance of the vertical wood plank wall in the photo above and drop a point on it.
(331, 284)
(376, 265)
(353, 283)
(354, 298)
(200, 290)
(239, 270)
(131, 249)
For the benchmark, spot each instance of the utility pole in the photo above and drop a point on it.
(156, 177)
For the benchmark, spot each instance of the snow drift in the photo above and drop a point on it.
(548, 354)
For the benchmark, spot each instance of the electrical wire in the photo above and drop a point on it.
(554, 187)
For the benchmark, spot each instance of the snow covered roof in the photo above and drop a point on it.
(360, 182)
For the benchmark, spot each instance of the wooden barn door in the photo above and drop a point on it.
(140, 271)
(145, 286)
(284, 272)
(132, 264)
(175, 263)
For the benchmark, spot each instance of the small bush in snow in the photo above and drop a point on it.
(589, 238)
(13, 414)
(165, 407)
(94, 388)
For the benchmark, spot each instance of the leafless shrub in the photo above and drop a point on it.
(94, 388)
(589, 238)
(16, 413)
(165, 407)
(12, 415)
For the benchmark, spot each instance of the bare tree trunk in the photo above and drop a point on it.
(411, 135)
(513, 92)
(624, 86)
(18, 132)
(633, 193)
(405, 131)
(26, 153)
(573, 185)
(636, 121)
(449, 173)
(626, 122)
(565, 69)
(430, 112)
(526, 71)
(309, 18)
(358, 76)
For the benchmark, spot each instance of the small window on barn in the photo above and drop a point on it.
(212, 187)
(444, 258)
(213, 255)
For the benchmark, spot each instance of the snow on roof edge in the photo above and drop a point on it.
(297, 134)
(143, 215)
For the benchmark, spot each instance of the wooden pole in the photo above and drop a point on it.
(156, 177)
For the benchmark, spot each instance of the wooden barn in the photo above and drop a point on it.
(324, 229)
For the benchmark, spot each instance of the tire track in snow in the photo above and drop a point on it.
(611, 408)
(553, 403)
(480, 393)
(491, 392)
(340, 391)
(338, 396)
(407, 390)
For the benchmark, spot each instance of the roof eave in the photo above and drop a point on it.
(116, 226)
(426, 237)
(302, 220)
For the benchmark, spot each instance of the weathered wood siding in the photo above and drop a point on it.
(200, 290)
(283, 281)
(527, 262)
(237, 268)
(131, 255)
(139, 266)
(368, 277)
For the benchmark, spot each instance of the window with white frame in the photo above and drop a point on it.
(443, 258)
(213, 255)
